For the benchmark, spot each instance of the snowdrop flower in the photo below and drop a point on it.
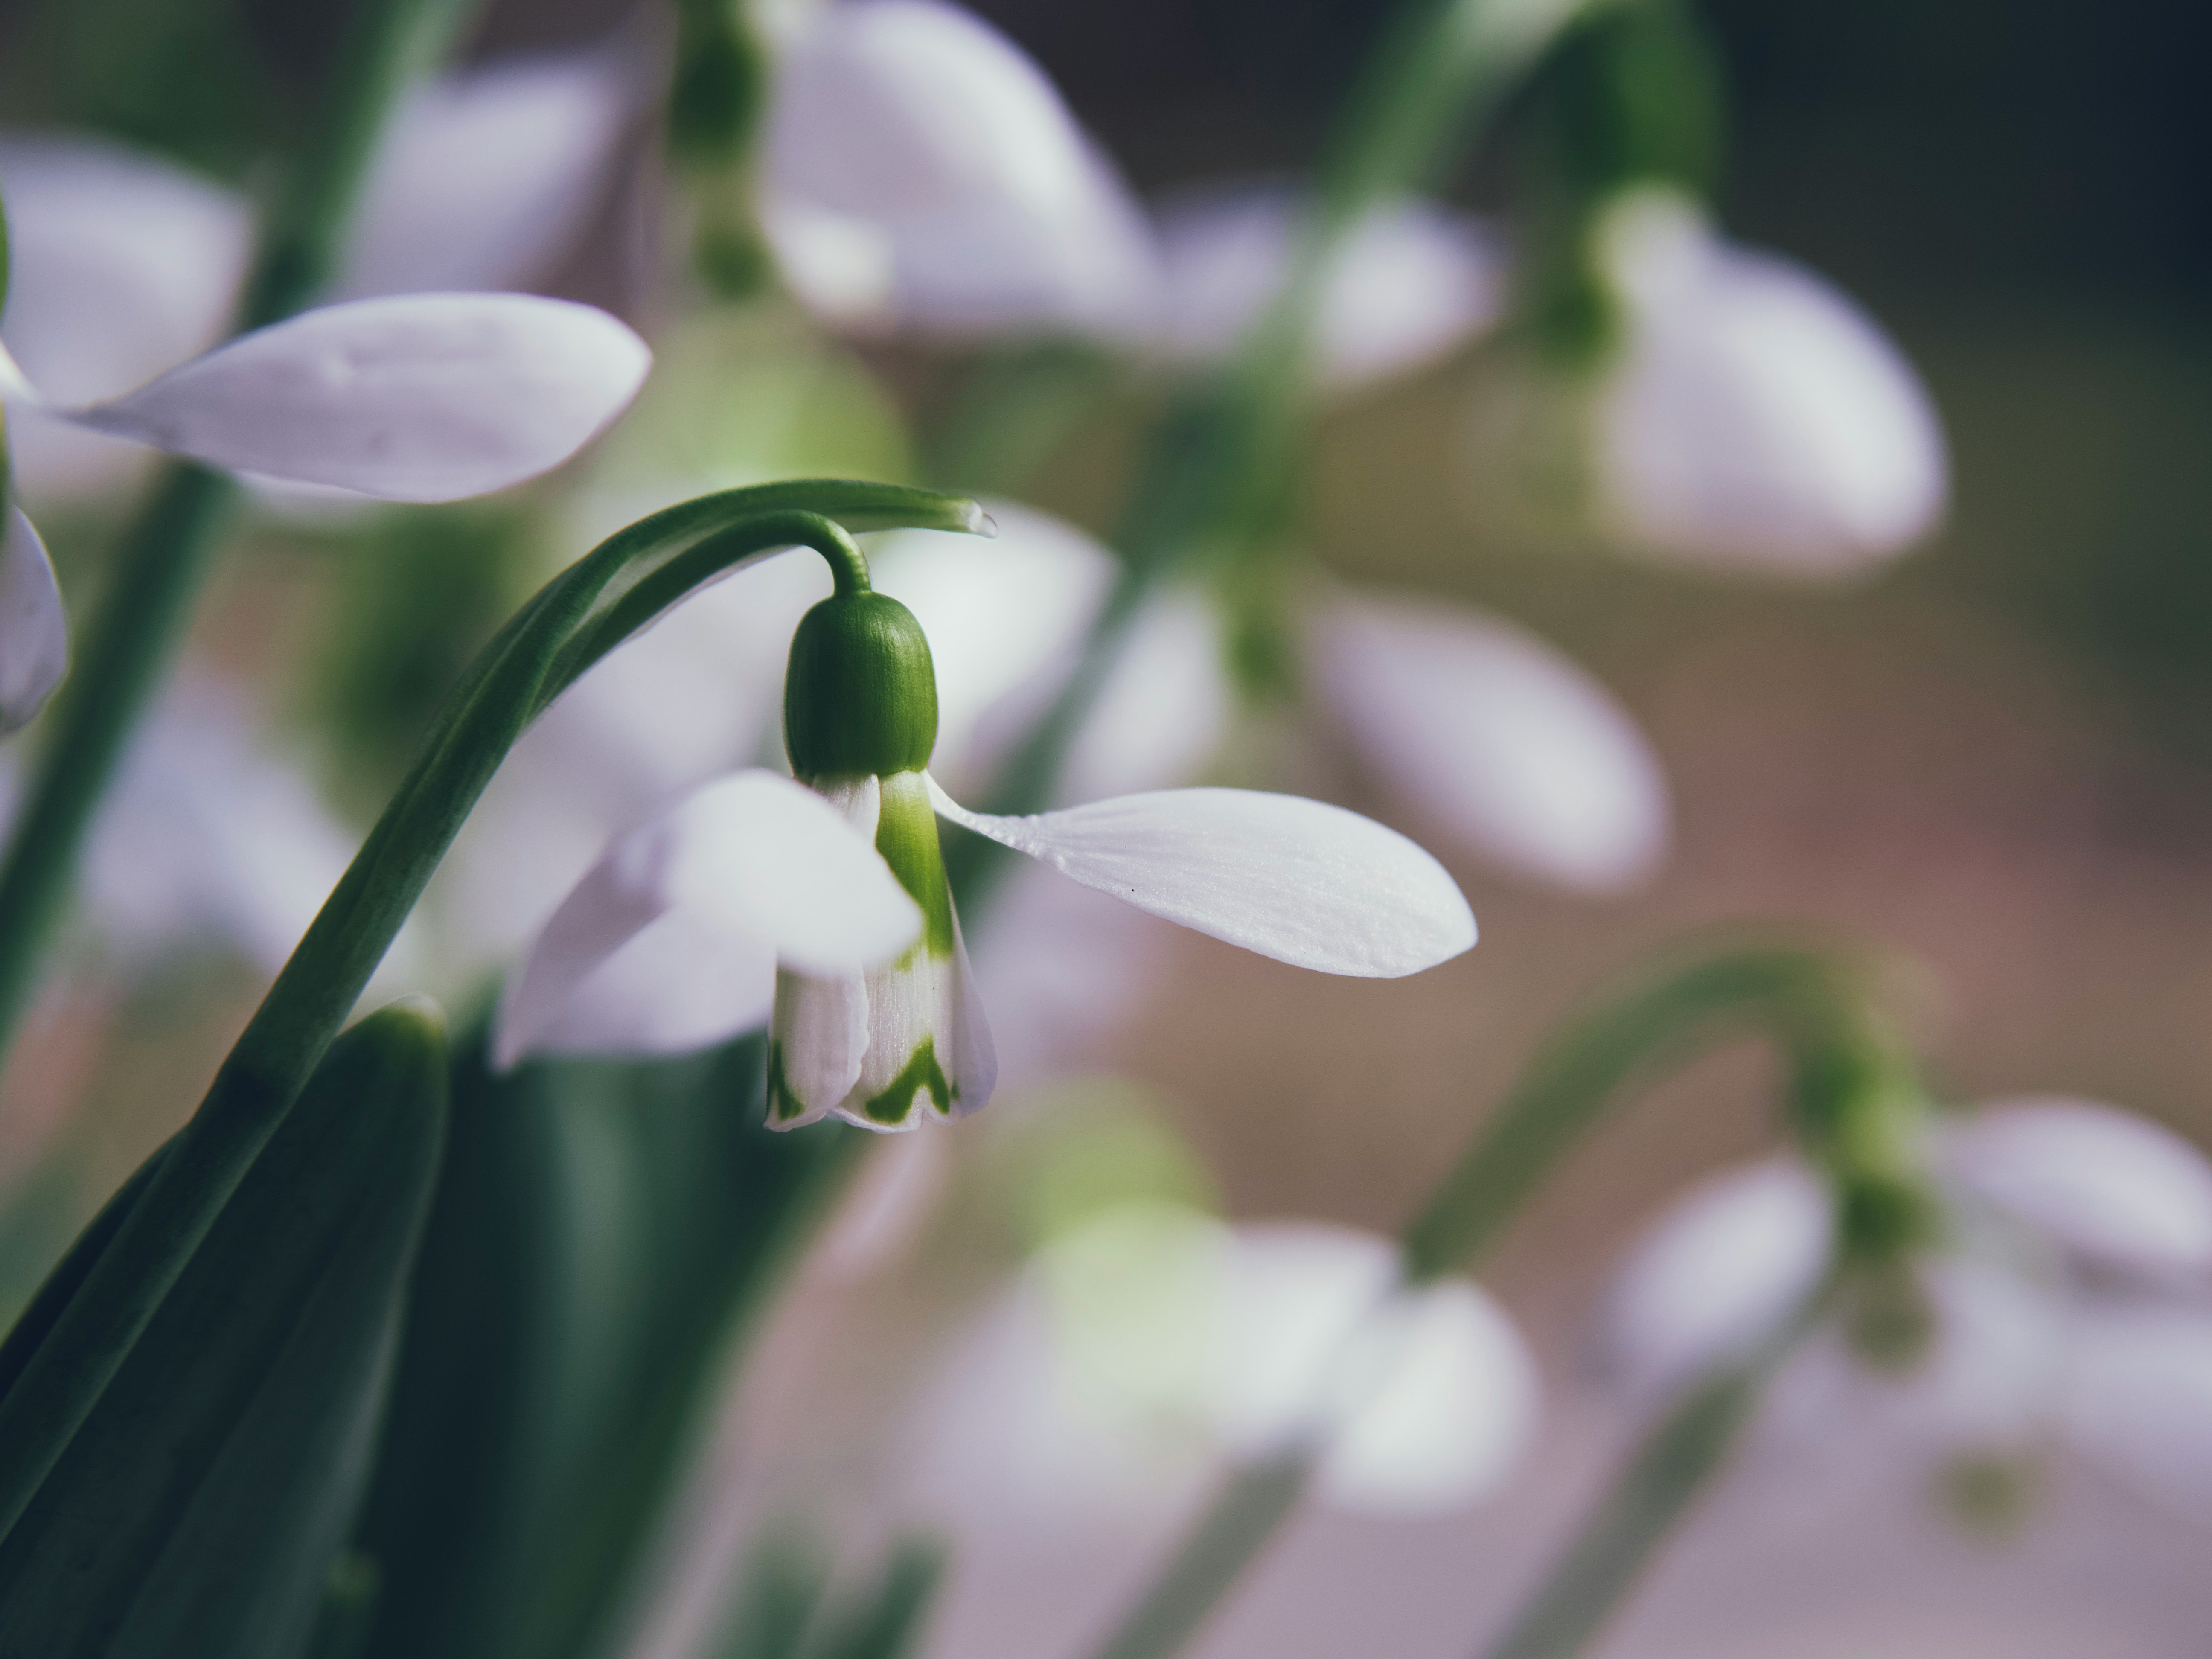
(124, 263)
(921, 173)
(1500, 743)
(427, 397)
(2073, 1302)
(891, 1045)
(1150, 1345)
(1752, 417)
(1411, 285)
(207, 836)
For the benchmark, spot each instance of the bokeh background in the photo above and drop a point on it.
(1993, 759)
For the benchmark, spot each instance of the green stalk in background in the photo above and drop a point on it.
(167, 552)
(1810, 1005)
(577, 618)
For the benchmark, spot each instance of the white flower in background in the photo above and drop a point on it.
(1150, 1346)
(1757, 418)
(920, 172)
(1306, 883)
(124, 263)
(427, 398)
(1414, 282)
(2074, 1305)
(208, 835)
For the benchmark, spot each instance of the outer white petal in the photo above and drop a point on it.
(1005, 620)
(1412, 283)
(1760, 420)
(1426, 1401)
(1303, 882)
(423, 397)
(1164, 710)
(2142, 1402)
(34, 629)
(756, 862)
(1496, 738)
(121, 264)
(208, 834)
(920, 171)
(2109, 1185)
(487, 177)
(1717, 1272)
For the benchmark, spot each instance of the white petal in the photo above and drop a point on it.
(821, 1046)
(1164, 709)
(919, 138)
(120, 265)
(761, 864)
(1306, 882)
(1425, 1400)
(974, 1070)
(1759, 420)
(1717, 1272)
(1499, 739)
(1412, 283)
(207, 833)
(34, 629)
(487, 177)
(2142, 1402)
(1005, 620)
(424, 398)
(2110, 1185)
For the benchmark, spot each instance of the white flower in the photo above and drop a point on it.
(2074, 1302)
(1757, 418)
(920, 172)
(1150, 1347)
(887, 1045)
(208, 835)
(1414, 282)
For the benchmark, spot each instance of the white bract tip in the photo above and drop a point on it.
(1305, 883)
(422, 397)
(1758, 419)
(2108, 1185)
(921, 172)
(33, 631)
(668, 941)
(1410, 284)
(1717, 1271)
(1502, 741)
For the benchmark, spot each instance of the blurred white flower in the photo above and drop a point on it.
(1151, 1345)
(921, 173)
(1411, 284)
(2073, 1303)
(207, 836)
(1756, 418)
(427, 397)
(124, 263)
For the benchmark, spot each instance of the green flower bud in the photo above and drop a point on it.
(859, 697)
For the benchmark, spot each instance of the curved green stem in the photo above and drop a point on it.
(588, 610)
(167, 550)
(1672, 1466)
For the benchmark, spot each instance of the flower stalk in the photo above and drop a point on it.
(577, 618)
(168, 550)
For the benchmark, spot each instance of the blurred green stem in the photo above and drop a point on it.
(1671, 1467)
(1809, 1005)
(168, 550)
(582, 614)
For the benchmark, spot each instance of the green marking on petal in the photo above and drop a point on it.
(906, 835)
(921, 1071)
(782, 1104)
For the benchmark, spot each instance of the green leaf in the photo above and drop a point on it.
(887, 1622)
(200, 1505)
(602, 1231)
